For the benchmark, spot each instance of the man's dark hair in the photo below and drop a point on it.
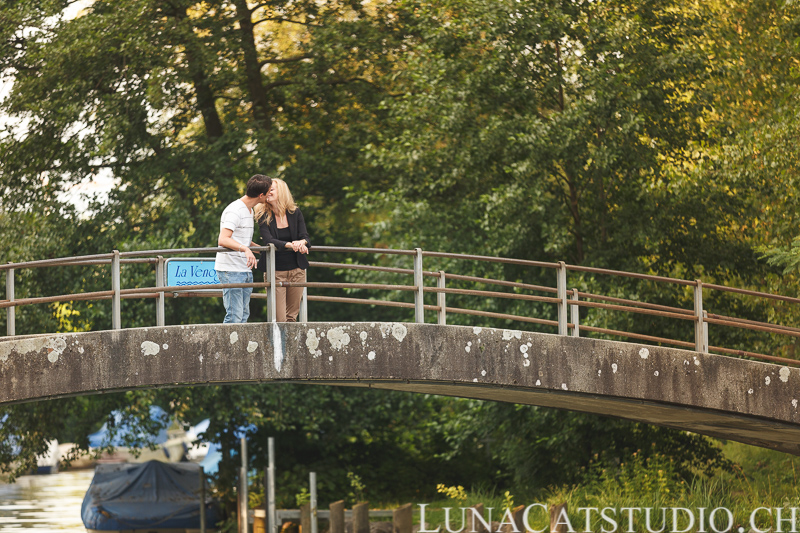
(258, 184)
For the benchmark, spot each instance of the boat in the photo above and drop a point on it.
(151, 497)
(48, 462)
(172, 444)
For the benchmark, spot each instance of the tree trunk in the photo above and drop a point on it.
(206, 103)
(252, 67)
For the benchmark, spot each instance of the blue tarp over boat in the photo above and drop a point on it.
(152, 495)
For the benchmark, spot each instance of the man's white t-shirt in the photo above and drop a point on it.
(238, 218)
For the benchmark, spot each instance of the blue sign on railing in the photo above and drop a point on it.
(181, 272)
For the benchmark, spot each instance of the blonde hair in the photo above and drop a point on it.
(263, 212)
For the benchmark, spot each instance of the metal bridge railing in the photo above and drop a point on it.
(567, 301)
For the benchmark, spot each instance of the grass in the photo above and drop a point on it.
(760, 478)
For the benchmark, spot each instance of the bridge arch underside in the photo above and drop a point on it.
(747, 401)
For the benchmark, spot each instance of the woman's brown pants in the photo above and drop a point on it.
(287, 299)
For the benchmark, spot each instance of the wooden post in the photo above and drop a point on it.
(243, 501)
(305, 518)
(259, 521)
(202, 501)
(477, 526)
(516, 515)
(272, 521)
(337, 517)
(312, 483)
(555, 512)
(402, 519)
(361, 517)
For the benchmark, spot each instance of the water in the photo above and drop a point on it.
(44, 503)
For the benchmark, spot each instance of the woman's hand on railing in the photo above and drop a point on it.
(300, 246)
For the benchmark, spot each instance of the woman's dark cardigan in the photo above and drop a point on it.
(297, 228)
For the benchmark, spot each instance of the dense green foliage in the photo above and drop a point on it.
(656, 136)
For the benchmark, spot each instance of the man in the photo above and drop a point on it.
(236, 234)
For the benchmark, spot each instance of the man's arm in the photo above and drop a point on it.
(226, 239)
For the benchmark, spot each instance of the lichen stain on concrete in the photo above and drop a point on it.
(767, 380)
(794, 404)
(338, 338)
(150, 348)
(509, 334)
(234, 337)
(468, 347)
(165, 346)
(371, 356)
(644, 353)
(363, 337)
(252, 346)
(55, 347)
(784, 374)
(564, 386)
(476, 330)
(22, 347)
(614, 367)
(399, 332)
(312, 342)
(524, 349)
(526, 363)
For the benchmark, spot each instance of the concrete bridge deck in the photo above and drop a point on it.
(742, 400)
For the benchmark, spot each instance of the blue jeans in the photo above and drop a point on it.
(236, 301)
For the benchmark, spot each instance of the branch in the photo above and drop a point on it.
(282, 19)
(274, 60)
(341, 81)
(274, 84)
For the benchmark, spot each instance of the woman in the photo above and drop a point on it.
(281, 223)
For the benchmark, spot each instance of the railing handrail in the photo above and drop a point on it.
(566, 300)
(83, 260)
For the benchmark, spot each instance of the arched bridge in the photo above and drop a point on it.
(740, 399)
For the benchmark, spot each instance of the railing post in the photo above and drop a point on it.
(272, 312)
(304, 304)
(700, 331)
(160, 297)
(561, 286)
(441, 299)
(575, 314)
(116, 301)
(419, 301)
(10, 311)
